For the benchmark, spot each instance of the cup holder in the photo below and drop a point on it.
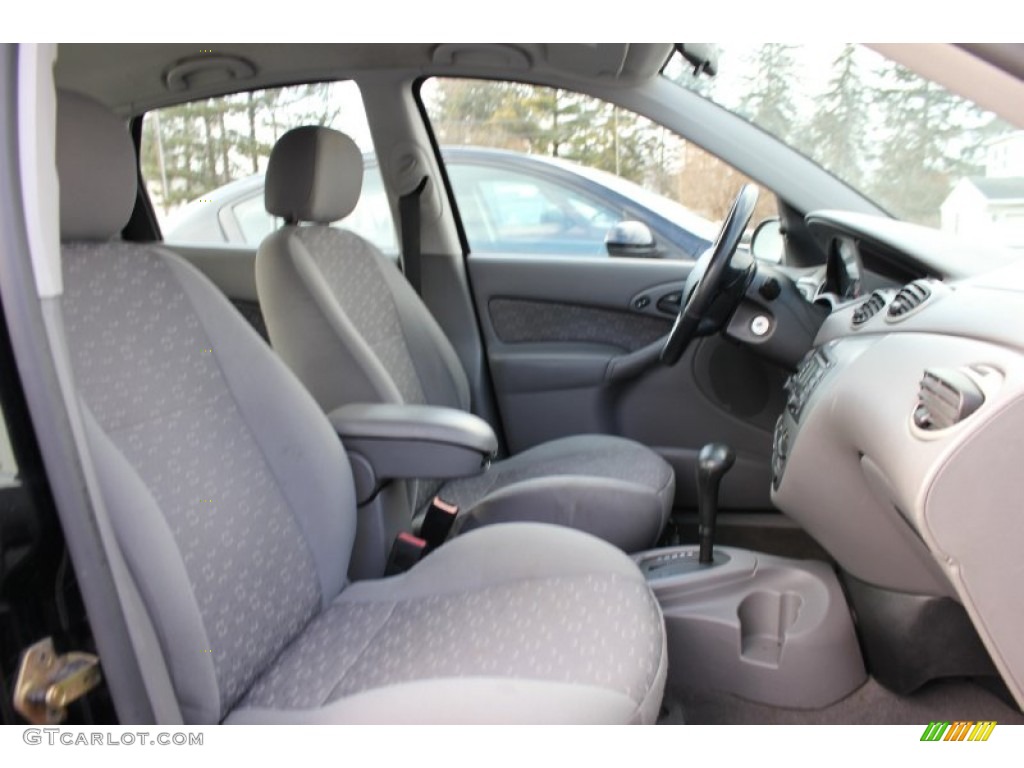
(765, 619)
(767, 629)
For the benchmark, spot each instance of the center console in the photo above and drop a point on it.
(799, 388)
(769, 629)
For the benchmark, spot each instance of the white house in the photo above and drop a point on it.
(1005, 156)
(991, 206)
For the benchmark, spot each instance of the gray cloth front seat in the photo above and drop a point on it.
(232, 501)
(348, 324)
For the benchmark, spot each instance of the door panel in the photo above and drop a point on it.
(595, 282)
(521, 320)
(573, 346)
(553, 327)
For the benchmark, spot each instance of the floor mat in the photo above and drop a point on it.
(871, 704)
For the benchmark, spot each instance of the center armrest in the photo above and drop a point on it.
(398, 442)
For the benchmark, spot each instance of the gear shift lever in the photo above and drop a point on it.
(713, 461)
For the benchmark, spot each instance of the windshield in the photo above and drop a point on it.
(921, 153)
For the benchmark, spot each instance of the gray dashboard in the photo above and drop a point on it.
(902, 500)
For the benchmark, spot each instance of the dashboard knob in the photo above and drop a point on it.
(770, 289)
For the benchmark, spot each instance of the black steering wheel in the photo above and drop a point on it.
(716, 283)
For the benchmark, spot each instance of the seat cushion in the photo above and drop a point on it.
(612, 487)
(496, 626)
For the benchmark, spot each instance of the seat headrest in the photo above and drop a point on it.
(96, 167)
(314, 174)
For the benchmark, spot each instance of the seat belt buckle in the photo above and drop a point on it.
(438, 522)
(405, 553)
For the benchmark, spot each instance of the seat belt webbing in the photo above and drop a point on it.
(409, 212)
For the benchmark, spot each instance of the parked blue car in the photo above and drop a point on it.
(508, 203)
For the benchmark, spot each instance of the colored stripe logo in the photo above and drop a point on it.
(960, 730)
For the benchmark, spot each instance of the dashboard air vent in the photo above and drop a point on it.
(909, 298)
(868, 309)
(947, 396)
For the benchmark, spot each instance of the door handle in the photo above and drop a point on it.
(669, 303)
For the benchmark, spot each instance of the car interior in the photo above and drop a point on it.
(308, 480)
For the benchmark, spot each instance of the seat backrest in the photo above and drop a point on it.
(338, 311)
(236, 519)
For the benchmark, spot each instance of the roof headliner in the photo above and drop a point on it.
(131, 78)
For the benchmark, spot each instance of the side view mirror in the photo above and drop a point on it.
(768, 242)
(631, 238)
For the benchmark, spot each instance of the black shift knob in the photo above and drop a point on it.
(713, 461)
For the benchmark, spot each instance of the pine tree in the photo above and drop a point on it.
(930, 142)
(549, 121)
(191, 149)
(180, 148)
(768, 102)
(620, 142)
(465, 112)
(837, 134)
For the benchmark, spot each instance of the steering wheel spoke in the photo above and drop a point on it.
(716, 283)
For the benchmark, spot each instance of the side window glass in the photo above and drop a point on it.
(572, 168)
(523, 212)
(203, 163)
(252, 219)
(371, 218)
